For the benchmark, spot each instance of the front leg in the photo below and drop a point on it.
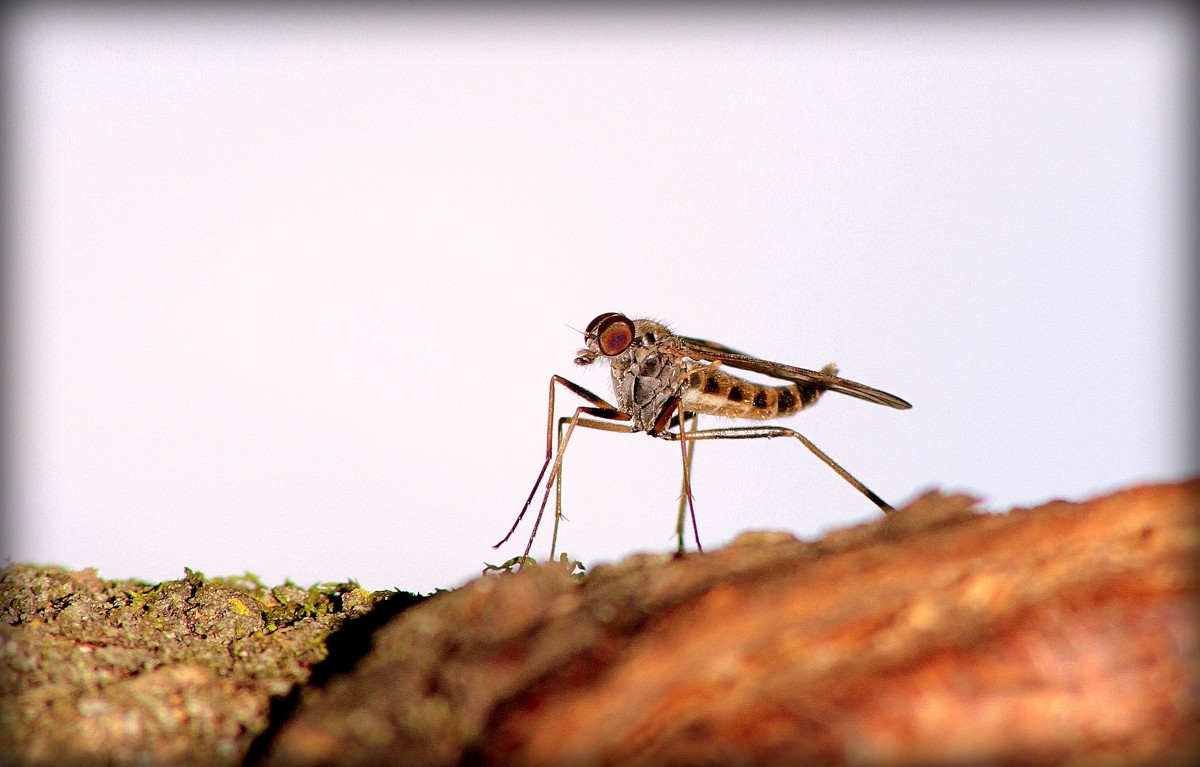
(623, 428)
(576, 420)
(603, 410)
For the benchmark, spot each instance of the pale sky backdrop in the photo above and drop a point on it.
(285, 290)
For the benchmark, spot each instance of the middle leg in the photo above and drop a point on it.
(685, 492)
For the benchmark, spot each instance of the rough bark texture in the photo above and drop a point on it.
(183, 672)
(1061, 634)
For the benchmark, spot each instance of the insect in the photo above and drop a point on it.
(661, 381)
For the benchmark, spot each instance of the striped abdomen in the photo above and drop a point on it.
(718, 393)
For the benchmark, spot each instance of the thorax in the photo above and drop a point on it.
(644, 379)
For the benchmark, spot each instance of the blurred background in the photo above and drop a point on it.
(285, 290)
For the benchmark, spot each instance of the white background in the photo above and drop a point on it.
(286, 290)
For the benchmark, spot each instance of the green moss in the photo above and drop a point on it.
(574, 567)
(91, 669)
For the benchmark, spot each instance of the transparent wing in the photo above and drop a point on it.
(714, 352)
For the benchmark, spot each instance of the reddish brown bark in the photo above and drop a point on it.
(1065, 633)
(1061, 634)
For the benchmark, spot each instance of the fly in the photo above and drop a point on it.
(662, 380)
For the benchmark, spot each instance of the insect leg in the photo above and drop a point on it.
(767, 432)
(685, 492)
(582, 392)
(576, 420)
(661, 427)
(558, 487)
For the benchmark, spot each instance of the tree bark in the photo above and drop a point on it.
(1065, 633)
(940, 634)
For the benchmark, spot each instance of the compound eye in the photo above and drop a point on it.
(591, 328)
(614, 334)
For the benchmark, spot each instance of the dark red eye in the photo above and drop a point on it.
(614, 333)
(596, 322)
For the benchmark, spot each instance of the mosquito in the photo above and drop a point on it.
(661, 381)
